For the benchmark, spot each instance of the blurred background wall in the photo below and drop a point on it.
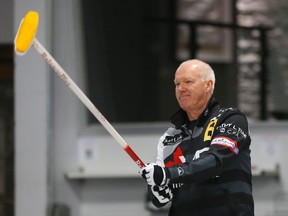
(55, 159)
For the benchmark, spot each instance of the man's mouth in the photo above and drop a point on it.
(183, 97)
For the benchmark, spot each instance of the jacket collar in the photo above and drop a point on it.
(180, 118)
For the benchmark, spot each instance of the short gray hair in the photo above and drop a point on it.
(207, 71)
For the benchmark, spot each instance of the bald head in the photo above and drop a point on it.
(206, 72)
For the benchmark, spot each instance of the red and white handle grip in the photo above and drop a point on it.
(78, 92)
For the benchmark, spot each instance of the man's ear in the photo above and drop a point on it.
(209, 85)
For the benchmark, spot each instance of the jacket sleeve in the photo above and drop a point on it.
(230, 138)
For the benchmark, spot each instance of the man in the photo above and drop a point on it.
(203, 162)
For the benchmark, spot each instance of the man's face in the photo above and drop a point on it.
(191, 91)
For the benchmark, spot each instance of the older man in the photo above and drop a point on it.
(203, 163)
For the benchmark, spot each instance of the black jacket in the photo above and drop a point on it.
(209, 164)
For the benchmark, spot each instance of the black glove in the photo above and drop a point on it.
(155, 174)
(162, 194)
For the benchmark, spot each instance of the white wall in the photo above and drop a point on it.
(68, 111)
(32, 123)
(47, 120)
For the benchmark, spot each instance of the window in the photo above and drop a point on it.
(131, 60)
(125, 81)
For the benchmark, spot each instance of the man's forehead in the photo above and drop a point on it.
(188, 69)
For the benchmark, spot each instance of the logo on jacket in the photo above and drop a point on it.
(180, 171)
(173, 140)
(226, 142)
(178, 158)
(210, 129)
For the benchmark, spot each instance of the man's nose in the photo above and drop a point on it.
(181, 87)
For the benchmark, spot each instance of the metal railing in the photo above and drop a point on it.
(193, 47)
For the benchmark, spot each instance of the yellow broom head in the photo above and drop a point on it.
(26, 32)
